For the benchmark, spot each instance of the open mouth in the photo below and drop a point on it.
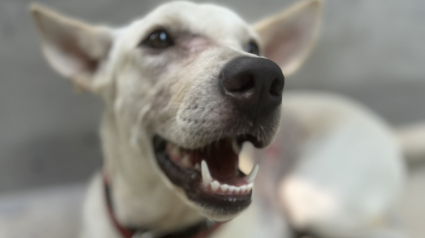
(209, 175)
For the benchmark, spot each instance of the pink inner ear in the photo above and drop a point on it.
(285, 46)
(70, 45)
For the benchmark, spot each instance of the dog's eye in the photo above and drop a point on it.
(159, 39)
(252, 48)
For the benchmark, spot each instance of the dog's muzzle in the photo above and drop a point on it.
(210, 174)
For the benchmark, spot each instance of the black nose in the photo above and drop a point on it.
(255, 85)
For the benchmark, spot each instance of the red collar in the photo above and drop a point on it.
(200, 230)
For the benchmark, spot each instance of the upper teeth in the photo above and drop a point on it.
(206, 176)
(215, 185)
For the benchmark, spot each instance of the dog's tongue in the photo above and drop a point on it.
(222, 160)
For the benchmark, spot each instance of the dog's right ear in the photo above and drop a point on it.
(73, 48)
(287, 38)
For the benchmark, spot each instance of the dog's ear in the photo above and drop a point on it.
(287, 38)
(73, 48)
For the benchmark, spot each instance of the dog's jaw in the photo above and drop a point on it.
(209, 178)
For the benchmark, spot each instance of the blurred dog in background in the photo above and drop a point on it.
(185, 88)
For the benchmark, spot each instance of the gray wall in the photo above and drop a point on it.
(371, 50)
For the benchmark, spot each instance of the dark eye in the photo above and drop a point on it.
(252, 48)
(159, 39)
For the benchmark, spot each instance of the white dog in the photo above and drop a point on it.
(184, 88)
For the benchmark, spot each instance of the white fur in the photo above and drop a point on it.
(348, 169)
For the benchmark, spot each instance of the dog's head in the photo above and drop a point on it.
(190, 81)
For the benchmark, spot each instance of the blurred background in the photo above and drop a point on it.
(372, 51)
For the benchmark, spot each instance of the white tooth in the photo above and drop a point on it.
(235, 146)
(186, 162)
(224, 187)
(250, 178)
(231, 189)
(249, 186)
(244, 188)
(197, 167)
(214, 186)
(206, 176)
(237, 190)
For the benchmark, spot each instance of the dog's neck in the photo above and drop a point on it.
(140, 197)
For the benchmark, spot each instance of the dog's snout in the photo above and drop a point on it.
(255, 85)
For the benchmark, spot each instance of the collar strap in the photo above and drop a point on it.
(200, 230)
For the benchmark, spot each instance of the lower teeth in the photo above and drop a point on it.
(215, 186)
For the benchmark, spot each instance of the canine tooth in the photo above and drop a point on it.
(197, 167)
(244, 188)
(214, 186)
(224, 187)
(206, 176)
(235, 146)
(231, 189)
(186, 161)
(237, 190)
(250, 178)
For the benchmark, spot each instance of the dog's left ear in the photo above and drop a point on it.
(287, 38)
(73, 48)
